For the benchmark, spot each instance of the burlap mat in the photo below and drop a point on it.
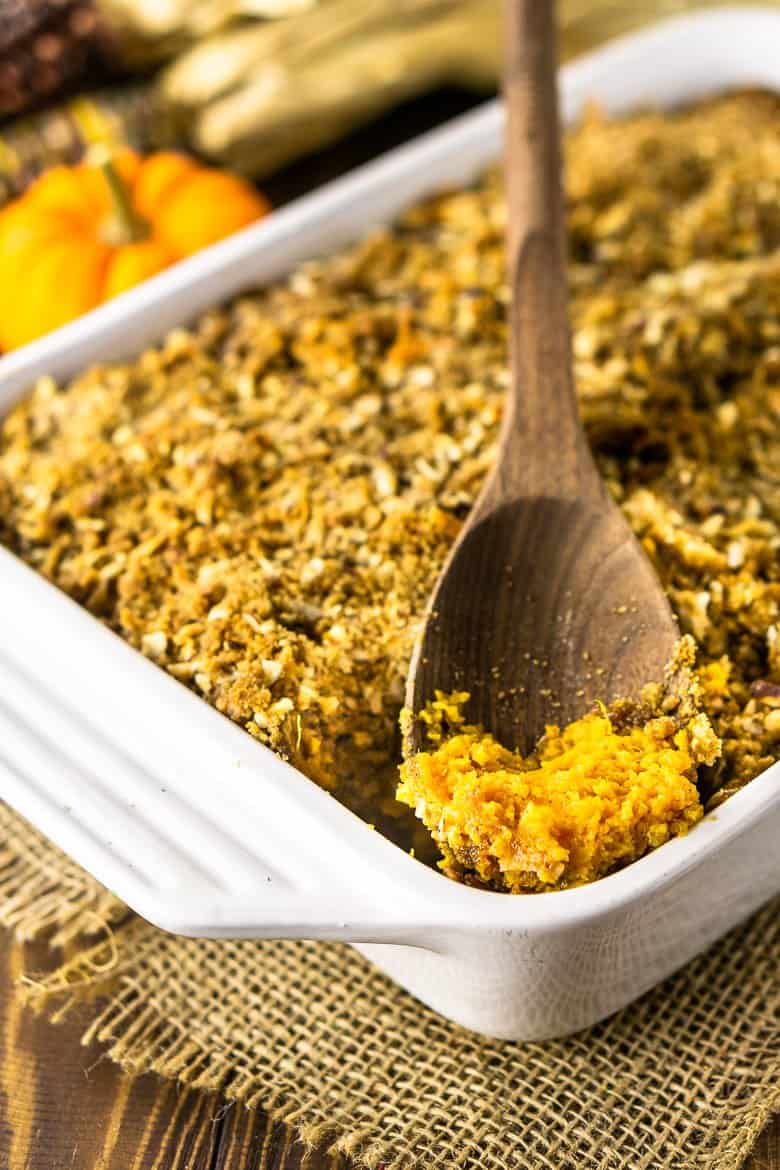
(685, 1078)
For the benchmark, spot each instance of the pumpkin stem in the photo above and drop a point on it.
(127, 226)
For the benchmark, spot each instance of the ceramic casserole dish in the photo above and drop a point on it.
(204, 831)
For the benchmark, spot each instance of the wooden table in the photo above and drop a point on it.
(64, 1107)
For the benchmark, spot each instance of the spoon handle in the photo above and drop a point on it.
(543, 446)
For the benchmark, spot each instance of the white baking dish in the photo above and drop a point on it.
(204, 831)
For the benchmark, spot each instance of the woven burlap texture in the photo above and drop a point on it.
(310, 1032)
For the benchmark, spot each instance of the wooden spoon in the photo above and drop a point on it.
(547, 603)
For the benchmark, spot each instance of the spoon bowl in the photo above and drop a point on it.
(547, 602)
(543, 609)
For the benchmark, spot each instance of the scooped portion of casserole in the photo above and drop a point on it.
(590, 797)
(261, 504)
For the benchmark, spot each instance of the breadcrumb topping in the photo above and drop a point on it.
(261, 504)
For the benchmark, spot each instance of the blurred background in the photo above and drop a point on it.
(255, 85)
(133, 133)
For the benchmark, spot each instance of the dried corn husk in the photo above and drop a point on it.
(260, 96)
(261, 93)
(241, 56)
(152, 31)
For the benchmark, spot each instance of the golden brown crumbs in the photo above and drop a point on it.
(261, 505)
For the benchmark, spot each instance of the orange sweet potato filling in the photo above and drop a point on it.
(590, 799)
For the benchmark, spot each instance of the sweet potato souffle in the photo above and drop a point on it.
(262, 503)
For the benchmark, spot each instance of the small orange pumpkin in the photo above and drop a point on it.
(80, 235)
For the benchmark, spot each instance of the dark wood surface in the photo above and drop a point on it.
(65, 1107)
(544, 530)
